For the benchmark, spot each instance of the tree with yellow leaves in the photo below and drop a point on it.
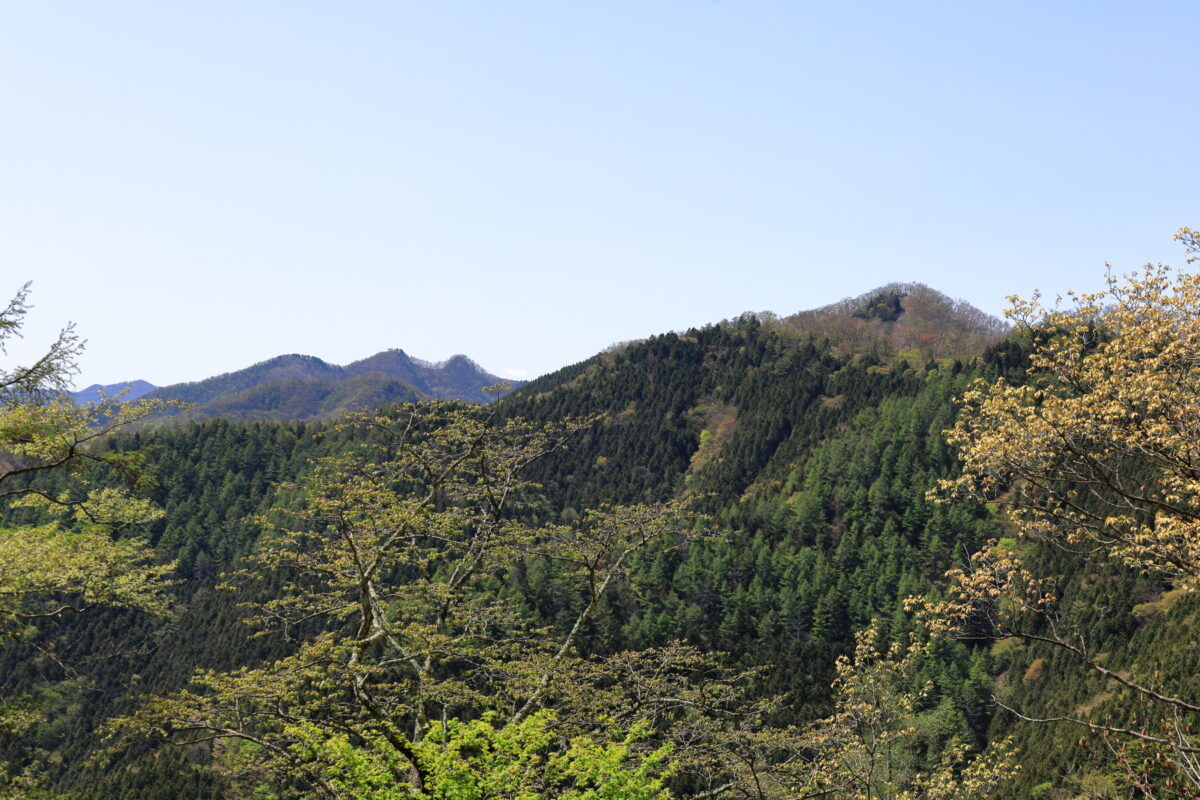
(1097, 451)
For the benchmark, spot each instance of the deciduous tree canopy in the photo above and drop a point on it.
(1096, 452)
(73, 562)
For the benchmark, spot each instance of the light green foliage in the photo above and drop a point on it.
(26, 786)
(49, 570)
(480, 760)
(71, 562)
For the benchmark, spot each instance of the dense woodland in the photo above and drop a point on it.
(729, 562)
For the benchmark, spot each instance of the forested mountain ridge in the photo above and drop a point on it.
(810, 453)
(882, 322)
(300, 387)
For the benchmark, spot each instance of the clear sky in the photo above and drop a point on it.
(203, 185)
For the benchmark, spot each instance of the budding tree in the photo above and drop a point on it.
(1096, 451)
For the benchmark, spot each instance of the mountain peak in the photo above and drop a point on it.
(906, 317)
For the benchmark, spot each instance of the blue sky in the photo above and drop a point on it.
(200, 186)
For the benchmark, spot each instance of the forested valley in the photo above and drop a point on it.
(887, 549)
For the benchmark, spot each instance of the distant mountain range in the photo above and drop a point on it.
(299, 387)
(133, 390)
